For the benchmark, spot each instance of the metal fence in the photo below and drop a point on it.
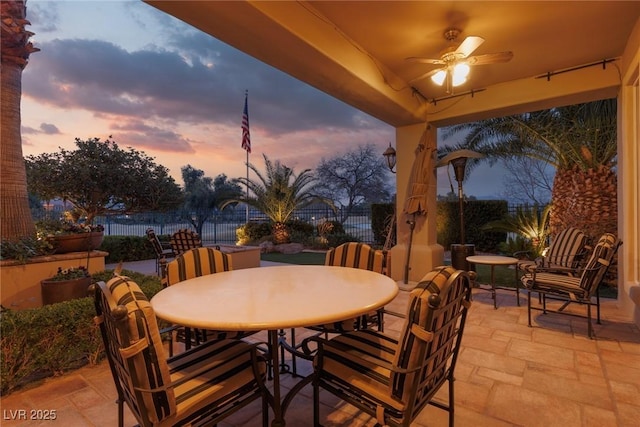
(222, 227)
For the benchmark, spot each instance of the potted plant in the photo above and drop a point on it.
(66, 284)
(68, 236)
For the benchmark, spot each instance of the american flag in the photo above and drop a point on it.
(246, 138)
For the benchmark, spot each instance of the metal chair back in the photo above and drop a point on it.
(184, 240)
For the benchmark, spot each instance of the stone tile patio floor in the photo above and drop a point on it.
(507, 375)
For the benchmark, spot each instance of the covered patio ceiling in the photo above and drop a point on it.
(356, 51)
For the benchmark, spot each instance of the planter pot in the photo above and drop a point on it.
(459, 254)
(64, 290)
(80, 242)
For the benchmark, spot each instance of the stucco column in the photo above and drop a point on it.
(425, 253)
(629, 182)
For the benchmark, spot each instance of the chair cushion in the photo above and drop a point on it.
(419, 314)
(356, 255)
(228, 372)
(354, 359)
(565, 248)
(197, 262)
(558, 283)
(145, 348)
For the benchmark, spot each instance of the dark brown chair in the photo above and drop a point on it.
(393, 380)
(184, 240)
(163, 253)
(197, 387)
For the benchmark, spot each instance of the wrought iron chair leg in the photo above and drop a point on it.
(294, 363)
(529, 306)
(120, 403)
(598, 306)
(589, 326)
(316, 403)
(451, 401)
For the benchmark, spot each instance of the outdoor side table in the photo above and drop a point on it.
(492, 261)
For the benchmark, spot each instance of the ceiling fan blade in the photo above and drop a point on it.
(425, 75)
(490, 58)
(425, 60)
(468, 45)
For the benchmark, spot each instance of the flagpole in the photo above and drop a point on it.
(246, 144)
(246, 204)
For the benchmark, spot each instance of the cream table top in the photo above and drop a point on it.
(492, 259)
(277, 297)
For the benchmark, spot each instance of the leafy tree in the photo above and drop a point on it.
(354, 178)
(278, 193)
(204, 196)
(579, 141)
(16, 48)
(99, 177)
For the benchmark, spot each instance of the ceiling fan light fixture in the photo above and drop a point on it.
(439, 77)
(459, 75)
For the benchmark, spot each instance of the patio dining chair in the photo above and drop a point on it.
(198, 387)
(571, 289)
(352, 255)
(567, 252)
(393, 380)
(163, 253)
(195, 263)
(184, 240)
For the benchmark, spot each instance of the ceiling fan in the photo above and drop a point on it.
(457, 62)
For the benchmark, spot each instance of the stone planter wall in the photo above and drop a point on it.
(20, 283)
(242, 256)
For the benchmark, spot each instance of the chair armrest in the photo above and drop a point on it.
(379, 362)
(519, 254)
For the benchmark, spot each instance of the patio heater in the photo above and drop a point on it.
(460, 252)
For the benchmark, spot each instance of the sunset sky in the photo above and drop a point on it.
(125, 69)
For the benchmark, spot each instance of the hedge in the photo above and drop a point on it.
(48, 341)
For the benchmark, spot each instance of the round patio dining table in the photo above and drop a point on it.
(272, 299)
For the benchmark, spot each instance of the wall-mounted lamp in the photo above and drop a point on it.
(390, 155)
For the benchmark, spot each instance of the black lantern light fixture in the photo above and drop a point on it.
(390, 155)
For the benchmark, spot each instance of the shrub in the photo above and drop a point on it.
(127, 248)
(47, 341)
(301, 227)
(252, 232)
(327, 228)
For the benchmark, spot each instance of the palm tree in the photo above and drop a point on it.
(579, 141)
(278, 193)
(16, 48)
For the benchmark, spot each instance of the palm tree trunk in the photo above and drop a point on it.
(14, 201)
(586, 199)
